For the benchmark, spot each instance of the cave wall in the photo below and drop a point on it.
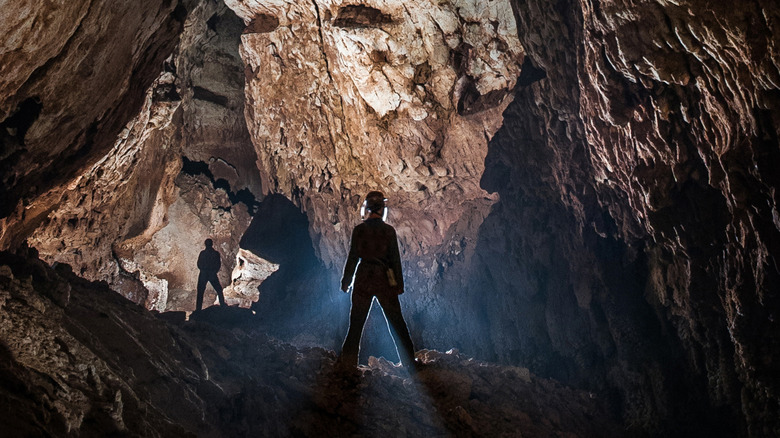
(638, 199)
(344, 98)
(124, 194)
(637, 214)
(619, 231)
(72, 76)
(182, 171)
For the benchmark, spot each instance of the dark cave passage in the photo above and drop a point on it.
(300, 303)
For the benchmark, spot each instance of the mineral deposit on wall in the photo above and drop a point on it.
(68, 86)
(397, 96)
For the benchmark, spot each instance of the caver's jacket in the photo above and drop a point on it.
(375, 245)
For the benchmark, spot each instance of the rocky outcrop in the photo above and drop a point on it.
(344, 98)
(247, 276)
(618, 232)
(124, 194)
(78, 360)
(211, 84)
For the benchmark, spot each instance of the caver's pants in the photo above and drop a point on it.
(361, 304)
(208, 277)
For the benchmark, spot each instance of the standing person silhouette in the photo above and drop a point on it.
(375, 245)
(209, 263)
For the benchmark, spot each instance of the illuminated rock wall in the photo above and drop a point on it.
(585, 188)
(138, 218)
(71, 76)
(639, 209)
(344, 98)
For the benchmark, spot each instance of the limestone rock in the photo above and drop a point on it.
(72, 75)
(633, 251)
(639, 183)
(138, 217)
(249, 272)
(126, 193)
(211, 84)
(170, 253)
(345, 98)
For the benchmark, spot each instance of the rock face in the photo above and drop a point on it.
(344, 98)
(639, 180)
(247, 276)
(78, 359)
(124, 194)
(108, 55)
(587, 189)
(162, 206)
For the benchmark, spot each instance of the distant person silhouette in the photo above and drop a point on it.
(375, 245)
(209, 263)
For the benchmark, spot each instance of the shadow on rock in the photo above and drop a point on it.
(333, 408)
(27, 411)
(225, 316)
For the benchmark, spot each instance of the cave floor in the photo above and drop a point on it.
(80, 359)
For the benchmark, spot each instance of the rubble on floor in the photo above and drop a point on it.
(79, 359)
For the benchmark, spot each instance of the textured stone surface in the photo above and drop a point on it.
(639, 181)
(102, 365)
(211, 85)
(124, 194)
(73, 74)
(248, 274)
(397, 96)
(633, 251)
(161, 211)
(166, 257)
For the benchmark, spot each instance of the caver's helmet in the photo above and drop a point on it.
(374, 203)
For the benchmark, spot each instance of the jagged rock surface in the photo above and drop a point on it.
(247, 276)
(634, 249)
(72, 74)
(78, 360)
(639, 181)
(344, 98)
(124, 194)
(138, 218)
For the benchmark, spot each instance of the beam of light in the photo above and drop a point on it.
(377, 339)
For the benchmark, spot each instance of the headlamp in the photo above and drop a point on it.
(364, 211)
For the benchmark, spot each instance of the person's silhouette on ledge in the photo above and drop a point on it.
(209, 263)
(375, 245)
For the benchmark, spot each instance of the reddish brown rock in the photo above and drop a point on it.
(643, 165)
(633, 251)
(161, 212)
(72, 76)
(125, 194)
(346, 98)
